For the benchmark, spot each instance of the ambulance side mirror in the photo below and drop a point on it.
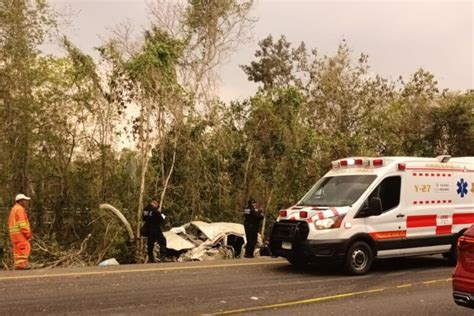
(375, 206)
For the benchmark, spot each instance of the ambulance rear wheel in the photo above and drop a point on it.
(359, 258)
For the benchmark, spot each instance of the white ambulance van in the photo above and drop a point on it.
(368, 208)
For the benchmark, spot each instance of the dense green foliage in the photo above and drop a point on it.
(61, 119)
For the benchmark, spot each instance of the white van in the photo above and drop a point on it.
(367, 208)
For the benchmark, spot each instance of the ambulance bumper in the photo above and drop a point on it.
(313, 250)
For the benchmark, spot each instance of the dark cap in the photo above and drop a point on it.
(251, 201)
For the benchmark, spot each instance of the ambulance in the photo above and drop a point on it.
(369, 208)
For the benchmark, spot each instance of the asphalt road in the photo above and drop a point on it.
(409, 286)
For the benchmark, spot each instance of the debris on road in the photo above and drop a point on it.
(109, 262)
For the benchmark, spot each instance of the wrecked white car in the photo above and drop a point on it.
(198, 241)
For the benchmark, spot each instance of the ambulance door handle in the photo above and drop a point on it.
(400, 215)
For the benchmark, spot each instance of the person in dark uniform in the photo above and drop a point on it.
(153, 219)
(253, 218)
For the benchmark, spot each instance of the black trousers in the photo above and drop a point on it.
(251, 232)
(153, 237)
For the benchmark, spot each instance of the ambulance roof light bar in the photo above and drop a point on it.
(443, 158)
(377, 162)
(350, 162)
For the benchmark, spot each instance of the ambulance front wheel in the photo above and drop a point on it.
(359, 258)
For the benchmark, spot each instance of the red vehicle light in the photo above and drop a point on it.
(303, 214)
(465, 241)
(377, 162)
(283, 213)
(343, 163)
(402, 166)
(358, 162)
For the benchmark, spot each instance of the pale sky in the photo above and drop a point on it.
(398, 36)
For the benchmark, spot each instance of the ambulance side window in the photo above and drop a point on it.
(389, 192)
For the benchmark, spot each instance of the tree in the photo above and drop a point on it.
(411, 121)
(151, 74)
(452, 126)
(211, 31)
(23, 27)
(274, 67)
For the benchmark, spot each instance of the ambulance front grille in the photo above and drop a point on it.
(290, 231)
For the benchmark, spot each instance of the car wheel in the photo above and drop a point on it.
(452, 255)
(359, 258)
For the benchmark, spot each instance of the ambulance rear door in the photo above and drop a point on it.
(431, 199)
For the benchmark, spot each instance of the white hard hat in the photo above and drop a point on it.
(21, 197)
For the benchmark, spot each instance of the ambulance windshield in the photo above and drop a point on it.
(337, 191)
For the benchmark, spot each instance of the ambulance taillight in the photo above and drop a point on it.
(283, 213)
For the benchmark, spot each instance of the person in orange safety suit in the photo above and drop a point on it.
(20, 232)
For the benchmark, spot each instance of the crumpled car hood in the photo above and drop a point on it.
(199, 240)
(213, 230)
(175, 242)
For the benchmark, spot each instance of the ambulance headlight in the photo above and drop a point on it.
(328, 223)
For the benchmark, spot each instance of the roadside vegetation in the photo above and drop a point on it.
(64, 118)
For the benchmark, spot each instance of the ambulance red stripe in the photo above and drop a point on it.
(421, 221)
(443, 230)
(334, 211)
(466, 218)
